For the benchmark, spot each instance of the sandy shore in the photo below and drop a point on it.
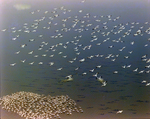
(91, 114)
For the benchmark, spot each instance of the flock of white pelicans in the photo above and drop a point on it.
(30, 105)
(34, 106)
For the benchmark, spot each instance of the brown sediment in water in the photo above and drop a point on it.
(34, 106)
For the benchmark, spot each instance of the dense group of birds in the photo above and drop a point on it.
(79, 44)
(70, 38)
(34, 106)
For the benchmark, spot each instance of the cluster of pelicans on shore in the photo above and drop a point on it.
(31, 105)
(34, 106)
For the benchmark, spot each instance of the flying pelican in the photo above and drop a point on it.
(22, 46)
(135, 70)
(23, 61)
(69, 78)
(147, 84)
(119, 112)
(13, 64)
(144, 81)
(30, 52)
(82, 60)
(100, 79)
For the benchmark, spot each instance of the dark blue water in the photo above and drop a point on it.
(124, 90)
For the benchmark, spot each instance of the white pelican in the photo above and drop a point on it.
(59, 69)
(82, 60)
(17, 52)
(30, 52)
(40, 62)
(144, 81)
(135, 70)
(23, 61)
(100, 79)
(115, 72)
(147, 84)
(119, 112)
(69, 78)
(31, 63)
(13, 64)
(51, 63)
(22, 46)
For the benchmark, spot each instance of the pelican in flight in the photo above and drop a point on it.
(100, 79)
(13, 64)
(69, 78)
(119, 112)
